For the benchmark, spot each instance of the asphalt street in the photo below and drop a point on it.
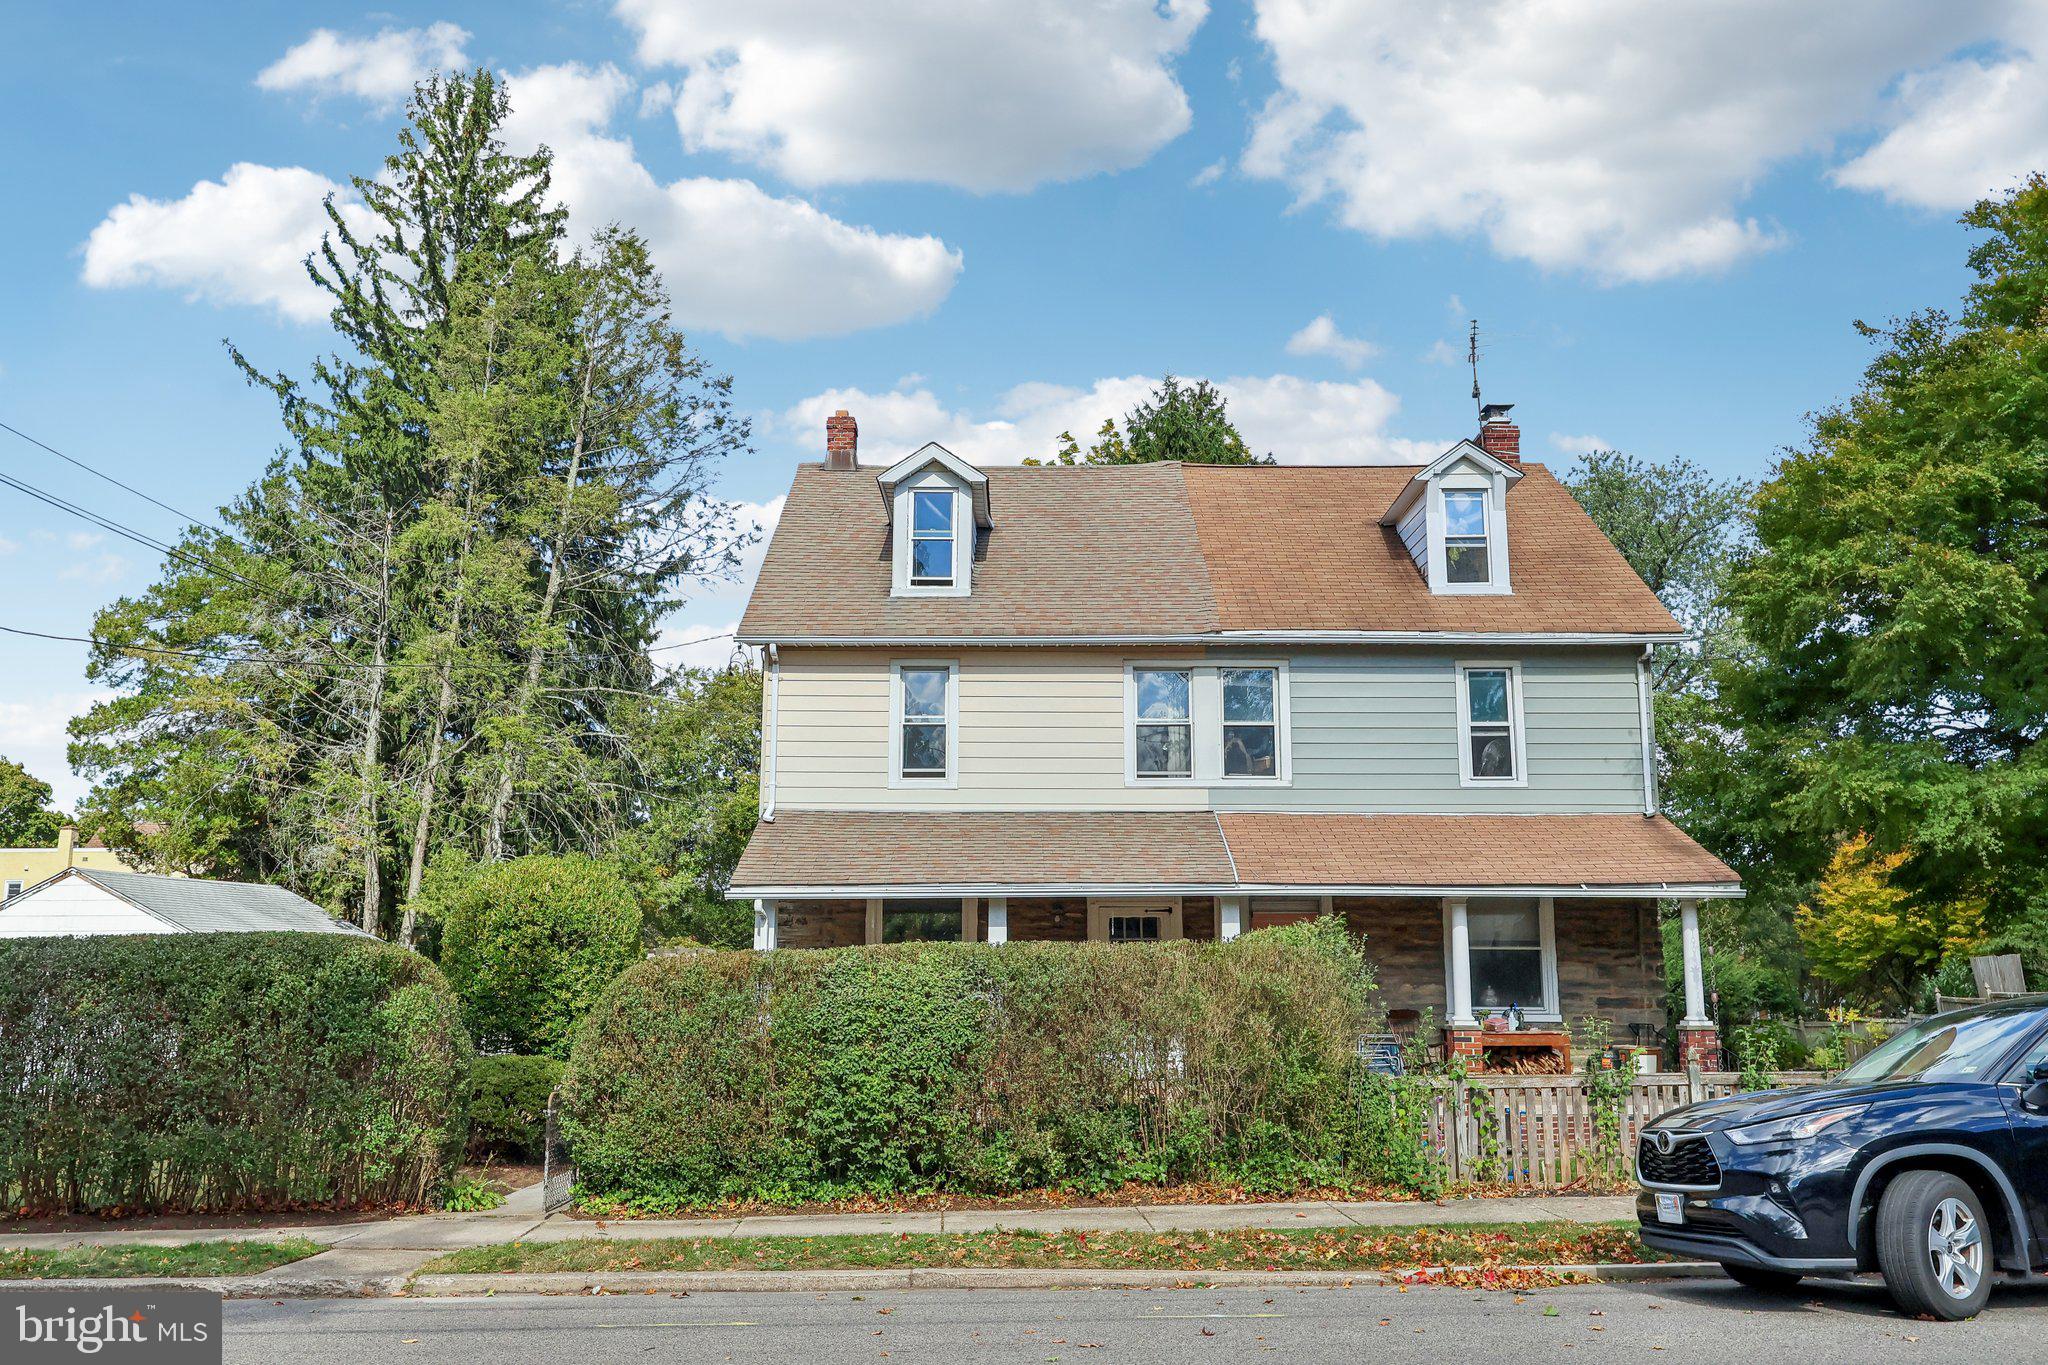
(1704, 1320)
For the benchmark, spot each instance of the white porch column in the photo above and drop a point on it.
(967, 934)
(1229, 917)
(1695, 978)
(998, 919)
(764, 924)
(1461, 964)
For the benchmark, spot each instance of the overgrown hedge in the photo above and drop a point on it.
(814, 1075)
(508, 1106)
(191, 1072)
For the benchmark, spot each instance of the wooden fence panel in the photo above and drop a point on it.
(1539, 1131)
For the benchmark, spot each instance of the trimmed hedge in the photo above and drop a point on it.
(530, 945)
(203, 1072)
(798, 1076)
(508, 1106)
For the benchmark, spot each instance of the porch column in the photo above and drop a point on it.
(998, 919)
(1229, 917)
(1461, 965)
(1695, 977)
(873, 932)
(967, 919)
(764, 924)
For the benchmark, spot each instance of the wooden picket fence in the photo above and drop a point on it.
(1542, 1133)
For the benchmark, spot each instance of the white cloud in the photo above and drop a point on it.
(1321, 337)
(983, 94)
(1578, 445)
(242, 239)
(33, 734)
(1298, 421)
(1441, 352)
(1964, 129)
(1578, 134)
(381, 69)
(1207, 176)
(736, 258)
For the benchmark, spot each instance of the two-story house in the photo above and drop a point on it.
(1184, 701)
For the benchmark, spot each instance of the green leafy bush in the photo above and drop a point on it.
(466, 1194)
(193, 1072)
(814, 1075)
(508, 1106)
(529, 946)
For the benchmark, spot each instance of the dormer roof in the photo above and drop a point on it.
(1463, 455)
(932, 453)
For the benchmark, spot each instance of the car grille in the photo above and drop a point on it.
(1690, 1162)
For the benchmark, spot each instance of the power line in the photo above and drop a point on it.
(102, 474)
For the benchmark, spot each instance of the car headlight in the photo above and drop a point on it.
(1792, 1129)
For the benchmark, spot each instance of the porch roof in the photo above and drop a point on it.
(824, 854)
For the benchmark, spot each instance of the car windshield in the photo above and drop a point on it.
(1944, 1049)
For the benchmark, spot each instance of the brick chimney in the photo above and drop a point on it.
(842, 441)
(1498, 436)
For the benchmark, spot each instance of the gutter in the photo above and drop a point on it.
(1615, 891)
(1646, 714)
(1234, 637)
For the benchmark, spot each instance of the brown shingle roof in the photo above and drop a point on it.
(1466, 851)
(1167, 549)
(826, 849)
(877, 848)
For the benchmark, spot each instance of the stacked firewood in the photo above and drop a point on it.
(1523, 1062)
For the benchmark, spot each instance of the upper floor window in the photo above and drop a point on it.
(1491, 752)
(932, 537)
(927, 711)
(1206, 723)
(1466, 558)
(1165, 736)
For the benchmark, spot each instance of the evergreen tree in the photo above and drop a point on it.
(1186, 422)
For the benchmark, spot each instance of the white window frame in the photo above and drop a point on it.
(1101, 908)
(1518, 729)
(903, 522)
(1495, 491)
(951, 777)
(14, 889)
(1547, 1011)
(1205, 712)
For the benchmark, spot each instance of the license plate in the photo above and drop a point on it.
(1670, 1208)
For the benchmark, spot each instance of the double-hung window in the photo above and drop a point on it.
(1513, 955)
(931, 537)
(1467, 557)
(1491, 751)
(1251, 722)
(1198, 723)
(1165, 735)
(927, 706)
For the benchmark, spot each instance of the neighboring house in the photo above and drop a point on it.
(82, 901)
(1164, 701)
(24, 867)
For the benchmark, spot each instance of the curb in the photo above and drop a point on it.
(855, 1281)
(233, 1286)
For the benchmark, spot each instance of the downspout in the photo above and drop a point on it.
(774, 713)
(1645, 712)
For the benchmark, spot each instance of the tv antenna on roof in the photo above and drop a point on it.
(1472, 357)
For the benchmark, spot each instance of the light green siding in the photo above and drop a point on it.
(1377, 730)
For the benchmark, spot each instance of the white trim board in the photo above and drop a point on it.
(934, 890)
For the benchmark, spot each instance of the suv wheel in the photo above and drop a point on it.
(1933, 1245)
(1756, 1277)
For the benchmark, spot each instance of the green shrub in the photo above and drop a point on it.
(466, 1194)
(814, 1075)
(196, 1072)
(508, 1106)
(529, 946)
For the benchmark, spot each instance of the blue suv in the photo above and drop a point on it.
(1926, 1161)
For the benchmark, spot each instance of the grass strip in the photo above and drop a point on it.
(1410, 1248)
(118, 1262)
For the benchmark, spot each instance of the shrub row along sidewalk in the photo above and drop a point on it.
(1451, 1244)
(142, 1262)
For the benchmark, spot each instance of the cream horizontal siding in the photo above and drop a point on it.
(1377, 730)
(1039, 730)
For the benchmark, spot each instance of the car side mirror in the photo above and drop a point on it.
(2034, 1090)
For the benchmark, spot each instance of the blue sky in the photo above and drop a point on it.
(980, 222)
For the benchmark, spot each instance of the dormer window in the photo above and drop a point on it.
(931, 537)
(938, 507)
(1465, 556)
